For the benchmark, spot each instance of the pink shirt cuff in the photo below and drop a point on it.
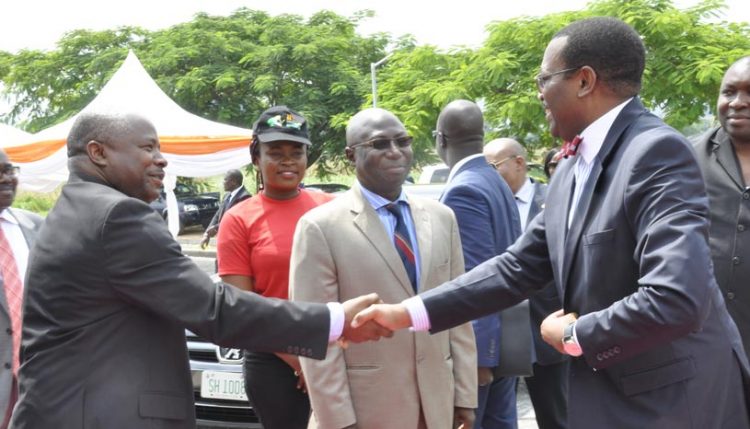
(337, 321)
(420, 321)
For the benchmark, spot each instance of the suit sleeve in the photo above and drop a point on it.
(146, 267)
(667, 211)
(313, 278)
(462, 341)
(494, 285)
(474, 221)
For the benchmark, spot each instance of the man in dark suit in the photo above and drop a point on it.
(18, 229)
(488, 223)
(724, 156)
(627, 248)
(234, 193)
(109, 295)
(548, 387)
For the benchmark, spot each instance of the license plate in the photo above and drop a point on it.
(223, 385)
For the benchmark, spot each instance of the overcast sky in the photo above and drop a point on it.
(38, 24)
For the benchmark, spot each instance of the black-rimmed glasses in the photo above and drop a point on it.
(9, 170)
(382, 143)
(542, 79)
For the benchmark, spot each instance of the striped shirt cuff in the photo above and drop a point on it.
(420, 320)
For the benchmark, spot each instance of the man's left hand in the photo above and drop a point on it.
(553, 328)
(463, 418)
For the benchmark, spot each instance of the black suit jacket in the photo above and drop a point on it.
(729, 238)
(108, 297)
(242, 195)
(659, 348)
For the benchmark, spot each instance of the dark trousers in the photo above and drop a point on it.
(548, 390)
(271, 387)
(497, 405)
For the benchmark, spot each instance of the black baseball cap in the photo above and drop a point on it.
(279, 123)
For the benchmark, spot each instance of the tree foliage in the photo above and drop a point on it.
(231, 68)
(687, 54)
(227, 69)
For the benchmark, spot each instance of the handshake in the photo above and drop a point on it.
(369, 319)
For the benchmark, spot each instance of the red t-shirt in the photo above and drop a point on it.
(255, 239)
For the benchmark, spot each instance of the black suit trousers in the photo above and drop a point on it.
(271, 387)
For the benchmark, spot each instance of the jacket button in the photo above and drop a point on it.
(6, 365)
(736, 260)
(746, 195)
(617, 349)
(740, 227)
(599, 357)
(9, 331)
(730, 295)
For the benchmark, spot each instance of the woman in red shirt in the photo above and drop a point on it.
(253, 250)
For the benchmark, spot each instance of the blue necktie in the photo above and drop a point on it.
(403, 244)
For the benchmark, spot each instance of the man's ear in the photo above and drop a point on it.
(349, 152)
(97, 153)
(588, 79)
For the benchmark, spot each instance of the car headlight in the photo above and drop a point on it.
(190, 208)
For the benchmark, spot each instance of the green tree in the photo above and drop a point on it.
(687, 54)
(222, 68)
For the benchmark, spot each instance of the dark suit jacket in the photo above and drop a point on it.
(660, 350)
(242, 195)
(729, 202)
(108, 297)
(546, 301)
(29, 223)
(488, 222)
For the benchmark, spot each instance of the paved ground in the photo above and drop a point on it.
(190, 241)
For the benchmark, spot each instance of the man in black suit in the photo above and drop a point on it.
(109, 295)
(624, 237)
(234, 193)
(548, 387)
(724, 156)
(18, 229)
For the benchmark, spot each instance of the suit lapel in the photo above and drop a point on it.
(366, 220)
(726, 158)
(27, 227)
(582, 216)
(423, 228)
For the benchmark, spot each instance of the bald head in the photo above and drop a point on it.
(367, 123)
(509, 159)
(460, 128)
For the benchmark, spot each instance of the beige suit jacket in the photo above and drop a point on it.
(341, 250)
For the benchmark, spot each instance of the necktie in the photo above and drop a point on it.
(13, 293)
(403, 244)
(571, 148)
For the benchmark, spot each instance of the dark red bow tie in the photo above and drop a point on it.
(571, 148)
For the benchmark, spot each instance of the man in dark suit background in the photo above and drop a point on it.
(234, 193)
(488, 223)
(548, 387)
(109, 295)
(18, 229)
(654, 345)
(724, 156)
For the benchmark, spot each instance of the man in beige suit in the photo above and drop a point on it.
(362, 242)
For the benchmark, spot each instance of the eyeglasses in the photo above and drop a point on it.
(542, 79)
(383, 143)
(436, 133)
(497, 164)
(9, 170)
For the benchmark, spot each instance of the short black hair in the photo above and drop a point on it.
(548, 157)
(94, 126)
(235, 175)
(611, 47)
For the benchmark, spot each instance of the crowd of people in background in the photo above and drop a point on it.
(616, 291)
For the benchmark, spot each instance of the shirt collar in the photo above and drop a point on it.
(593, 136)
(461, 163)
(378, 202)
(526, 193)
(7, 216)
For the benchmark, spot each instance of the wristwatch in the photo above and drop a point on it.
(570, 345)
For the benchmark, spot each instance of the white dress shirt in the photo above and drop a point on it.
(523, 201)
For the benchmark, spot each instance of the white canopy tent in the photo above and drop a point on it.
(193, 146)
(11, 136)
